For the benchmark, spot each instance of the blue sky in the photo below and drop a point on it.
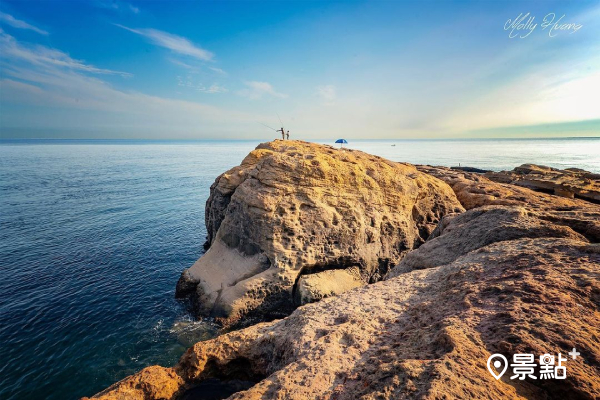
(357, 69)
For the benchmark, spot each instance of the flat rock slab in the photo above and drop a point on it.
(314, 287)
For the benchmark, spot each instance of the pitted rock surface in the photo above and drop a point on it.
(293, 208)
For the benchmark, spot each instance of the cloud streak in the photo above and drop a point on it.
(188, 82)
(16, 23)
(177, 44)
(214, 88)
(218, 70)
(118, 6)
(41, 55)
(45, 78)
(257, 90)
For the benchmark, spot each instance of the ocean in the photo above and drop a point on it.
(94, 235)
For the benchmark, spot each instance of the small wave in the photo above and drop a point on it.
(158, 326)
(190, 331)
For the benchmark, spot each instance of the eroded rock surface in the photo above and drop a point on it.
(314, 287)
(459, 234)
(292, 208)
(570, 183)
(150, 383)
(427, 333)
(474, 190)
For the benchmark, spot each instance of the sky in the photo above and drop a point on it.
(356, 69)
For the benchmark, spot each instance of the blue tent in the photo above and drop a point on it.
(341, 142)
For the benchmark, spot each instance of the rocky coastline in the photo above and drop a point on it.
(341, 275)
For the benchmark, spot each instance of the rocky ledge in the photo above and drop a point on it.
(517, 272)
(570, 183)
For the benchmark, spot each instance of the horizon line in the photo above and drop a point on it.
(305, 140)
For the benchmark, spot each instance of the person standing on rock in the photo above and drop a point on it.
(282, 133)
(287, 135)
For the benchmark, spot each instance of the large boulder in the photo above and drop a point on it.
(294, 208)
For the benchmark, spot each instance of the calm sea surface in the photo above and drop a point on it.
(94, 235)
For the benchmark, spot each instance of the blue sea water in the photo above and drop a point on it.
(94, 235)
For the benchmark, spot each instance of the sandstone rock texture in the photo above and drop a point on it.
(518, 272)
(474, 190)
(570, 183)
(151, 383)
(463, 233)
(294, 208)
(427, 333)
(314, 287)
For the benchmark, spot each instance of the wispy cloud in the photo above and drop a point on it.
(189, 82)
(200, 67)
(218, 70)
(327, 93)
(17, 23)
(177, 44)
(117, 5)
(214, 88)
(42, 77)
(257, 90)
(42, 55)
(187, 66)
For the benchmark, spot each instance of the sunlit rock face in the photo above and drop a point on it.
(294, 208)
